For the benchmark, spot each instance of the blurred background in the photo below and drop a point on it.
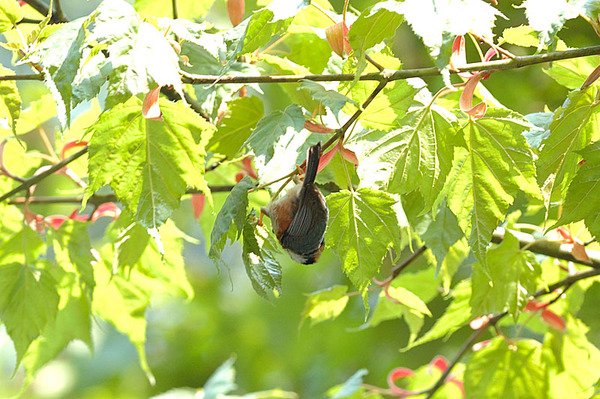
(187, 341)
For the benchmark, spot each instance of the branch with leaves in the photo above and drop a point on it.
(405, 159)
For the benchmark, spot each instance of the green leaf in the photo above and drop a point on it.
(258, 256)
(270, 22)
(400, 302)
(123, 303)
(112, 44)
(10, 14)
(375, 25)
(326, 304)
(557, 163)
(523, 36)
(388, 108)
(549, 22)
(163, 268)
(221, 382)
(75, 282)
(270, 128)
(576, 365)
(509, 370)
(24, 247)
(234, 129)
(10, 102)
(190, 9)
(148, 163)
(233, 213)
(307, 48)
(273, 65)
(417, 156)
(497, 165)
(456, 315)
(28, 302)
(582, 199)
(506, 281)
(573, 72)
(437, 22)
(348, 388)
(442, 233)
(540, 129)
(329, 98)
(362, 226)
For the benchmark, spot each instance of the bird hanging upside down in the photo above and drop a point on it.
(299, 218)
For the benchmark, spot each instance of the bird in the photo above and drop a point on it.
(299, 218)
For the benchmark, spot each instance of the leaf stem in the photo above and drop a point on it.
(174, 8)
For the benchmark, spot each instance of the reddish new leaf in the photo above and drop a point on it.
(317, 128)
(337, 36)
(150, 107)
(70, 145)
(235, 11)
(554, 320)
(398, 374)
(108, 209)
(198, 201)
(466, 98)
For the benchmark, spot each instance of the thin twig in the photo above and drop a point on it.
(401, 266)
(29, 21)
(37, 178)
(564, 283)
(97, 199)
(58, 14)
(496, 65)
(174, 6)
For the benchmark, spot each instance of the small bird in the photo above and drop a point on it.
(299, 218)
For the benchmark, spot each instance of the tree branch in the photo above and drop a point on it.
(566, 282)
(174, 7)
(37, 178)
(96, 199)
(497, 65)
(554, 249)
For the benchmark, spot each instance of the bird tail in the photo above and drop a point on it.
(312, 164)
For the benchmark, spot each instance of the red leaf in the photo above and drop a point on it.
(248, 168)
(55, 221)
(554, 320)
(150, 107)
(440, 363)
(337, 36)
(490, 54)
(566, 235)
(398, 374)
(239, 176)
(198, 201)
(349, 155)
(327, 157)
(466, 97)
(592, 78)
(70, 145)
(317, 128)
(534, 306)
(480, 322)
(458, 58)
(108, 209)
(235, 11)
(480, 345)
(579, 252)
(76, 216)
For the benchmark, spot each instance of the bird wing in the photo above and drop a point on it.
(305, 232)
